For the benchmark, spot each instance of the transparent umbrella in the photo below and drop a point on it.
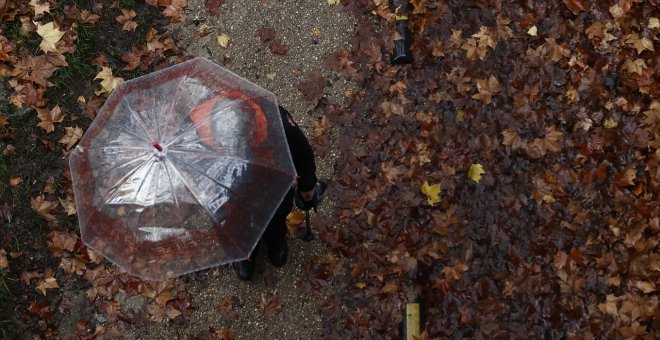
(181, 170)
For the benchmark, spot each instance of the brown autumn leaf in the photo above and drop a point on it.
(49, 117)
(312, 88)
(486, 89)
(73, 265)
(89, 17)
(265, 34)
(34, 69)
(512, 139)
(58, 242)
(213, 6)
(71, 136)
(126, 19)
(43, 208)
(270, 303)
(15, 181)
(4, 262)
(48, 282)
(174, 9)
(278, 47)
(226, 307)
(576, 6)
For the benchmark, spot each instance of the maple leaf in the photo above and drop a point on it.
(610, 123)
(6, 49)
(473, 50)
(3, 121)
(69, 205)
(213, 6)
(49, 282)
(636, 66)
(51, 35)
(43, 207)
(576, 6)
(265, 34)
(312, 88)
(174, 10)
(432, 192)
(512, 138)
(126, 19)
(485, 40)
(475, 172)
(226, 307)
(34, 69)
(89, 17)
(332, 2)
(71, 136)
(39, 7)
(108, 81)
(59, 241)
(269, 302)
(49, 117)
(486, 88)
(641, 44)
(278, 47)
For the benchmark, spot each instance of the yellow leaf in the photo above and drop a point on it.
(654, 23)
(223, 40)
(40, 8)
(432, 192)
(616, 11)
(332, 2)
(48, 283)
(476, 170)
(532, 31)
(360, 285)
(611, 123)
(108, 81)
(51, 35)
(460, 115)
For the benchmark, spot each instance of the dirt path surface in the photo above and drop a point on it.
(311, 30)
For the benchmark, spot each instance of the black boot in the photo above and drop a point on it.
(245, 269)
(278, 253)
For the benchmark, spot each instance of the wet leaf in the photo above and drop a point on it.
(50, 35)
(475, 172)
(49, 117)
(432, 192)
(108, 81)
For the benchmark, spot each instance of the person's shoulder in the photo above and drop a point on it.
(287, 120)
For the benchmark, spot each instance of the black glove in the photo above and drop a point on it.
(314, 202)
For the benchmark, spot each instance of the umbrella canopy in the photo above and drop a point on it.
(181, 170)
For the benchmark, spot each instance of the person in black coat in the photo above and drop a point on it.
(275, 234)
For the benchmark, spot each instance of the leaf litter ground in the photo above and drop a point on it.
(535, 125)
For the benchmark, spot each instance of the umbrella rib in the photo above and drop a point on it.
(121, 181)
(169, 181)
(144, 179)
(178, 90)
(192, 192)
(111, 128)
(215, 155)
(207, 176)
(140, 120)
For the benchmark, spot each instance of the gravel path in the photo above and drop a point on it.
(312, 30)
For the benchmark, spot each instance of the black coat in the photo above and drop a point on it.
(301, 152)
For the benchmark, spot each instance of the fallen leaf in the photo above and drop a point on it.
(616, 11)
(278, 47)
(15, 181)
(43, 208)
(487, 88)
(432, 192)
(223, 40)
(49, 117)
(47, 283)
(126, 19)
(475, 172)
(71, 136)
(332, 2)
(265, 34)
(532, 31)
(40, 7)
(51, 35)
(653, 23)
(610, 123)
(4, 262)
(269, 302)
(108, 81)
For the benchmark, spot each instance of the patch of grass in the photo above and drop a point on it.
(30, 42)
(6, 300)
(127, 4)
(79, 61)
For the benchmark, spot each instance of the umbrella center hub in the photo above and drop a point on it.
(159, 150)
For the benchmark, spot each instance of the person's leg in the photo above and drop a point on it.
(275, 234)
